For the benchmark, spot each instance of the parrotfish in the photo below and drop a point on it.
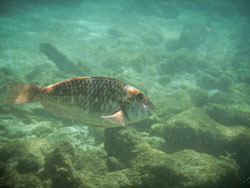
(97, 101)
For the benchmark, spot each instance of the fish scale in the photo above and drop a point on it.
(89, 88)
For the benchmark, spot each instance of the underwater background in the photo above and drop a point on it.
(191, 58)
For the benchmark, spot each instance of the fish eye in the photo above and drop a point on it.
(140, 96)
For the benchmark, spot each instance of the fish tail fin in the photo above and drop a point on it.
(19, 93)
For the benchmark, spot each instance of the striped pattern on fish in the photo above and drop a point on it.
(98, 101)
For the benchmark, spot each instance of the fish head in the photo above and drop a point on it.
(138, 106)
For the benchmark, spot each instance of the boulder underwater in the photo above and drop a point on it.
(59, 166)
(154, 168)
(229, 115)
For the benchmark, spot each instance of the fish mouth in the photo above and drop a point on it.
(151, 105)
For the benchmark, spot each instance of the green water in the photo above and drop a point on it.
(191, 58)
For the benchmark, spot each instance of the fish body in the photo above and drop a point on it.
(98, 101)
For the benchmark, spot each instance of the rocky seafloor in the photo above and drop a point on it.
(191, 58)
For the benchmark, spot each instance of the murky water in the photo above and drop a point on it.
(191, 58)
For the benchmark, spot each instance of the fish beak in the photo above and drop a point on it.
(151, 105)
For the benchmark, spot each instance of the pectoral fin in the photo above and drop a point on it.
(116, 118)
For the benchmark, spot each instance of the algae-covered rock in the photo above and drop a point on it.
(91, 160)
(238, 147)
(229, 115)
(164, 80)
(224, 82)
(181, 61)
(114, 164)
(172, 105)
(153, 168)
(204, 170)
(63, 151)
(123, 143)
(191, 129)
(59, 166)
(186, 168)
(98, 134)
(2, 168)
(42, 129)
(222, 98)
(208, 81)
(156, 142)
(194, 129)
(13, 179)
(27, 164)
(243, 90)
(199, 97)
(10, 150)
